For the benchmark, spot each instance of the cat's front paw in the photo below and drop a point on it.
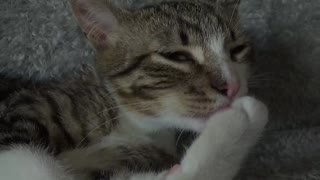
(221, 147)
(256, 111)
(242, 123)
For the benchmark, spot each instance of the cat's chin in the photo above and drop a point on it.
(207, 116)
(198, 122)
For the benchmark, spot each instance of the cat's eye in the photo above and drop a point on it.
(233, 35)
(240, 52)
(178, 56)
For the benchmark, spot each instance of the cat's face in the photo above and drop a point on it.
(173, 65)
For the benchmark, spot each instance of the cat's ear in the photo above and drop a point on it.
(96, 19)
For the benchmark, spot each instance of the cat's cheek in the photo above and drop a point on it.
(243, 92)
(243, 75)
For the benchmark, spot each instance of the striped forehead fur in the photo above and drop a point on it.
(140, 62)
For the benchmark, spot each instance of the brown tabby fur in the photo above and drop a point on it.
(136, 75)
(63, 118)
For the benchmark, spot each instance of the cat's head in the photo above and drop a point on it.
(169, 65)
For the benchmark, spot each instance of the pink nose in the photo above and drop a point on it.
(227, 89)
(233, 90)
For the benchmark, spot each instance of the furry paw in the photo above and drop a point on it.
(257, 112)
(222, 146)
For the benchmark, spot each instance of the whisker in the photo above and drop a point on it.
(179, 137)
(259, 84)
(257, 87)
(117, 107)
(236, 24)
(131, 104)
(260, 75)
(265, 74)
(125, 105)
(262, 79)
(284, 176)
(256, 83)
(97, 127)
(259, 78)
(234, 10)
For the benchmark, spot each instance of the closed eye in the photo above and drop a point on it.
(178, 56)
(239, 52)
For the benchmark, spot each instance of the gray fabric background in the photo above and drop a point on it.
(39, 40)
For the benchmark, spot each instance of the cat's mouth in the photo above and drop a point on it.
(206, 116)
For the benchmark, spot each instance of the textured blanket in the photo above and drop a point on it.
(39, 40)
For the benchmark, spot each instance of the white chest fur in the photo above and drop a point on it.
(127, 131)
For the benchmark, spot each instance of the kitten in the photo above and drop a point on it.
(173, 65)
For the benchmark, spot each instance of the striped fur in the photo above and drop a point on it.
(63, 120)
(56, 117)
(159, 67)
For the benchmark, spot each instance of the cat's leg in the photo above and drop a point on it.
(119, 154)
(219, 151)
(30, 163)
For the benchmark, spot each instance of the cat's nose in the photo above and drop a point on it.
(222, 88)
(229, 90)
(233, 90)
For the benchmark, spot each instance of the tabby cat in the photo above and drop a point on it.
(162, 67)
